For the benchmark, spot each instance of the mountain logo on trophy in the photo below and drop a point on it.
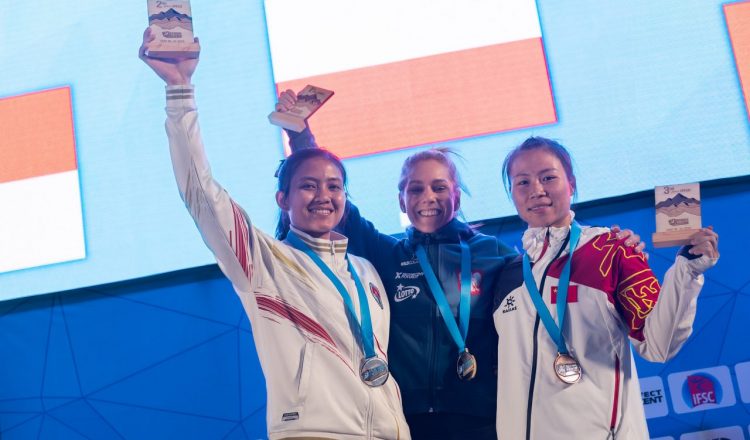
(171, 19)
(677, 206)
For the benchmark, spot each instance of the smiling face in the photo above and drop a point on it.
(540, 188)
(430, 197)
(316, 198)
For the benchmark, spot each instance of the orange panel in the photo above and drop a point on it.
(432, 99)
(738, 24)
(36, 135)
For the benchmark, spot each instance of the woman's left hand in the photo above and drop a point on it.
(705, 242)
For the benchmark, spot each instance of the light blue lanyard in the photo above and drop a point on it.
(554, 330)
(459, 337)
(364, 309)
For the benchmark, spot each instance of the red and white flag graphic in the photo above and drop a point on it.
(41, 221)
(409, 73)
(737, 16)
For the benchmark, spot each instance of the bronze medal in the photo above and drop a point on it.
(466, 367)
(373, 371)
(567, 368)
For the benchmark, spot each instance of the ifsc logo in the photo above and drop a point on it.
(701, 390)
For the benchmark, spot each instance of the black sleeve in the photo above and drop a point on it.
(301, 140)
(364, 238)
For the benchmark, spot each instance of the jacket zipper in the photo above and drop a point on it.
(613, 420)
(535, 344)
(533, 378)
(368, 415)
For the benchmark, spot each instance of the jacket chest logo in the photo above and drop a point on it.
(476, 282)
(572, 294)
(509, 305)
(375, 292)
(405, 292)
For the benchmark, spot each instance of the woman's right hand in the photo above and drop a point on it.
(286, 101)
(174, 71)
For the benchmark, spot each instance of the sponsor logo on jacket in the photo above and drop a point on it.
(408, 275)
(405, 292)
(289, 416)
(509, 305)
(410, 262)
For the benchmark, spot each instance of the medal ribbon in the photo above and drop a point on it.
(364, 310)
(464, 305)
(555, 331)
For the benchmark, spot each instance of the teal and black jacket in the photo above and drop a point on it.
(422, 355)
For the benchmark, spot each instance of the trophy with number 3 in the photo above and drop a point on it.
(678, 214)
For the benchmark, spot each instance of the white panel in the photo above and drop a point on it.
(41, 222)
(316, 37)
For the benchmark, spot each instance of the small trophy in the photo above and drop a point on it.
(309, 100)
(678, 214)
(172, 23)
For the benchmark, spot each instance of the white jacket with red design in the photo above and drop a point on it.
(613, 299)
(309, 354)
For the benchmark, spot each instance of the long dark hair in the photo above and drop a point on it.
(286, 172)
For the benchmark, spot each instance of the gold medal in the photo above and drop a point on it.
(466, 367)
(567, 368)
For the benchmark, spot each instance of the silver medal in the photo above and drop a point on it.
(466, 367)
(567, 368)
(373, 371)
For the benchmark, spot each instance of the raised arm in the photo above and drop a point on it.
(661, 318)
(222, 224)
(364, 239)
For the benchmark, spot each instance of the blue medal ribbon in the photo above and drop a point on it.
(464, 307)
(365, 325)
(554, 330)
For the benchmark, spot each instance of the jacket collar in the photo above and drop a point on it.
(452, 232)
(321, 246)
(534, 239)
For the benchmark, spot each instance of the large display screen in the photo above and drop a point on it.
(643, 93)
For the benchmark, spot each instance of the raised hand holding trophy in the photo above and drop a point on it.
(309, 100)
(171, 21)
(678, 214)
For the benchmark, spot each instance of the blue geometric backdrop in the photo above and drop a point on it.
(172, 356)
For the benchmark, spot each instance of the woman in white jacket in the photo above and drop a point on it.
(566, 325)
(319, 321)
